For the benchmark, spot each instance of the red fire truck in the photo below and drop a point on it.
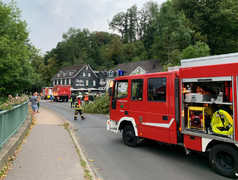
(194, 106)
(47, 92)
(61, 92)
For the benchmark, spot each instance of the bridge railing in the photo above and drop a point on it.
(11, 120)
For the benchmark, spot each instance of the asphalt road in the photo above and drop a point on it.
(112, 160)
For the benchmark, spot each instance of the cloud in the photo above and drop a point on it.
(49, 19)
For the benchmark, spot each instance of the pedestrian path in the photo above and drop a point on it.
(48, 153)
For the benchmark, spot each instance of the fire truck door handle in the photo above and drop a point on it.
(165, 118)
(140, 119)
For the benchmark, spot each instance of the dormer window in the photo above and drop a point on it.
(83, 74)
(110, 73)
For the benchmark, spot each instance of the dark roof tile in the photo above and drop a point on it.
(150, 66)
(68, 72)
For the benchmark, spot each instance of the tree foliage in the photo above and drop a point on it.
(214, 19)
(200, 49)
(15, 52)
(174, 30)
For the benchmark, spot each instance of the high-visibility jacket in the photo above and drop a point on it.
(77, 105)
(86, 98)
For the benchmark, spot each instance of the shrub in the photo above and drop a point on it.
(99, 106)
(11, 101)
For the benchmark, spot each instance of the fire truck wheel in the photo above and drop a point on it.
(129, 137)
(224, 160)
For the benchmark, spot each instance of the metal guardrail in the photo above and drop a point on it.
(11, 120)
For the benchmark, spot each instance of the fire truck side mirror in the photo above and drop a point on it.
(110, 93)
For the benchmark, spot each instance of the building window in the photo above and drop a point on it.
(87, 82)
(58, 81)
(86, 67)
(89, 74)
(67, 81)
(94, 83)
(110, 73)
(157, 89)
(83, 74)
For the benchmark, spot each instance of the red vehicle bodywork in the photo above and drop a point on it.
(47, 92)
(62, 92)
(171, 121)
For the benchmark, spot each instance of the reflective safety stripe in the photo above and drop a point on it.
(160, 124)
(77, 106)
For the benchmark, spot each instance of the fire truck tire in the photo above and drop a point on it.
(224, 160)
(129, 137)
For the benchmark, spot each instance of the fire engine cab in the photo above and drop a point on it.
(194, 106)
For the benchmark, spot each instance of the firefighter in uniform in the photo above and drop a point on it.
(86, 98)
(78, 109)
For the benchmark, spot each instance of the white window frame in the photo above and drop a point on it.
(110, 73)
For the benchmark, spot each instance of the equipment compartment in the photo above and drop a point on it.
(207, 106)
(192, 142)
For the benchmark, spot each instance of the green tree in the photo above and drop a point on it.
(71, 37)
(215, 20)
(146, 15)
(134, 51)
(200, 49)
(116, 51)
(15, 52)
(172, 36)
(126, 24)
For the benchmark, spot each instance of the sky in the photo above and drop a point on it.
(47, 20)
